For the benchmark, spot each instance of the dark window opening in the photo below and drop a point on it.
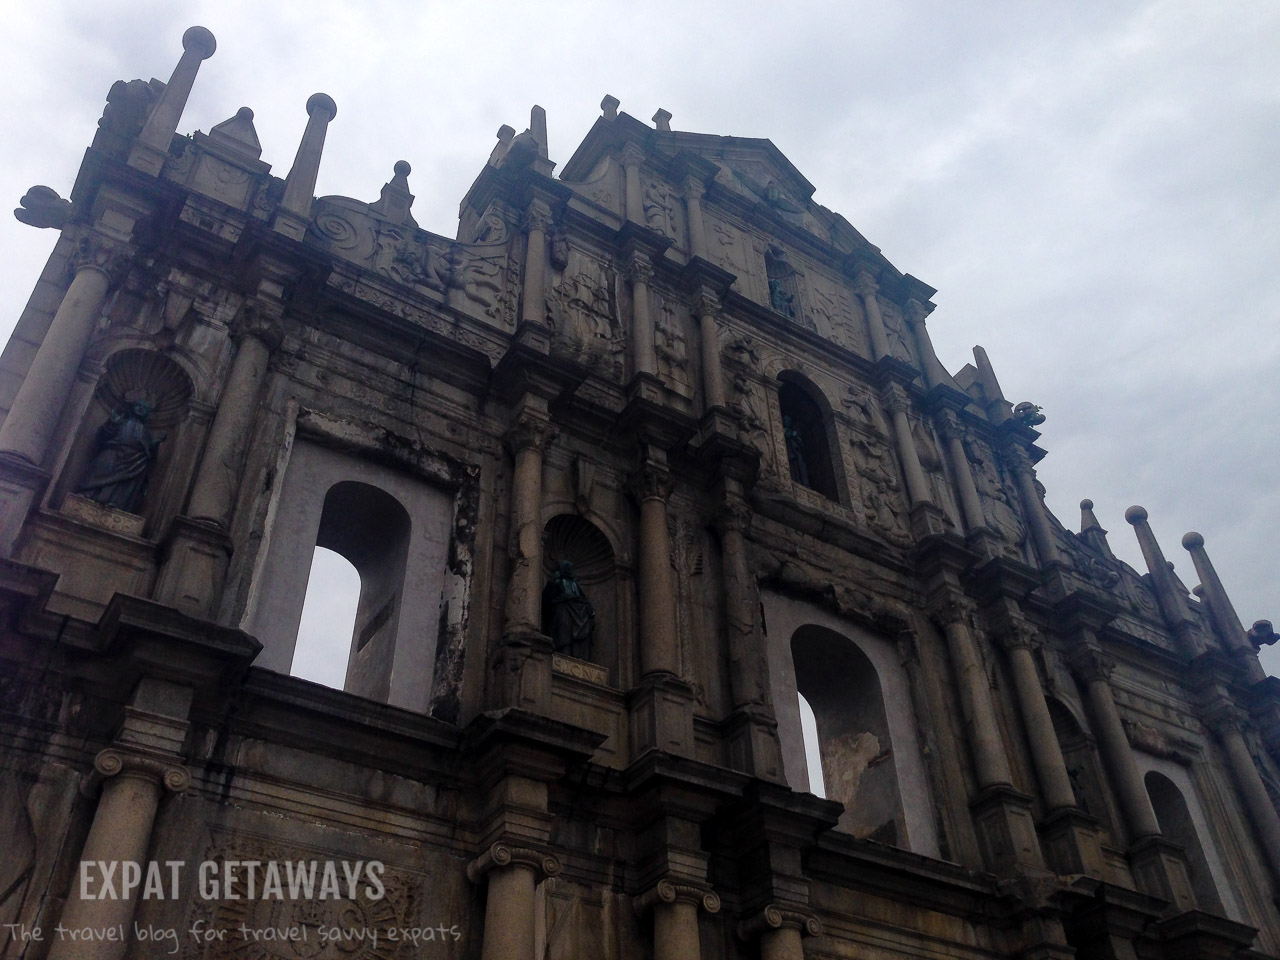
(808, 449)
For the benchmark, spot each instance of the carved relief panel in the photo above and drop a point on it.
(583, 312)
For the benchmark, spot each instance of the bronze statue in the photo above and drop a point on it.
(795, 453)
(568, 617)
(126, 449)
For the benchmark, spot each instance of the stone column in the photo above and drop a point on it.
(639, 273)
(34, 414)
(632, 158)
(533, 298)
(513, 874)
(1032, 506)
(952, 431)
(152, 147)
(659, 642)
(675, 918)
(300, 186)
(694, 191)
(1221, 611)
(526, 439)
(780, 930)
(1135, 803)
(121, 832)
(895, 401)
(1046, 752)
(1170, 597)
(1230, 724)
(865, 286)
(256, 332)
(935, 374)
(708, 308)
(990, 761)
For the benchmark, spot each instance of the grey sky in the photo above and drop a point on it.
(1092, 186)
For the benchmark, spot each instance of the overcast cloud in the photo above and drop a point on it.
(1091, 186)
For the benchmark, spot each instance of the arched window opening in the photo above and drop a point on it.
(808, 441)
(858, 768)
(583, 625)
(812, 751)
(328, 620)
(1176, 824)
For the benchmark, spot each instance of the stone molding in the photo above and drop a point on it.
(670, 891)
(776, 916)
(501, 855)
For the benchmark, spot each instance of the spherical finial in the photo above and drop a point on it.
(1086, 504)
(402, 168)
(200, 41)
(244, 113)
(1136, 514)
(324, 102)
(1192, 540)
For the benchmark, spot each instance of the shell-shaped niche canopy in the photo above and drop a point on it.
(581, 542)
(144, 375)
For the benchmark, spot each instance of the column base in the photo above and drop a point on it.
(21, 485)
(1160, 869)
(1006, 832)
(1201, 936)
(661, 708)
(752, 735)
(521, 672)
(928, 520)
(197, 555)
(1071, 843)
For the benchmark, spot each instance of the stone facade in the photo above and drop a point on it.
(671, 367)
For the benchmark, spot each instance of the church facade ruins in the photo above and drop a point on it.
(647, 470)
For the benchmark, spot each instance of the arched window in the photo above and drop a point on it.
(328, 620)
(807, 433)
(842, 687)
(812, 749)
(1176, 824)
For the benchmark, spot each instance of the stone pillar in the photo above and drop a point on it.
(152, 146)
(935, 374)
(1230, 724)
(121, 832)
(526, 439)
(659, 642)
(990, 761)
(34, 414)
(675, 918)
(1032, 506)
(694, 191)
(780, 930)
(300, 186)
(865, 286)
(952, 431)
(533, 298)
(639, 273)
(1046, 752)
(509, 920)
(1170, 597)
(708, 308)
(895, 401)
(1135, 803)
(632, 158)
(1221, 611)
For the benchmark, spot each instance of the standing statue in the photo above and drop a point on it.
(779, 299)
(568, 617)
(795, 453)
(126, 450)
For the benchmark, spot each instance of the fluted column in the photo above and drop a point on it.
(1135, 803)
(708, 308)
(35, 411)
(152, 147)
(533, 300)
(1169, 596)
(1221, 611)
(894, 399)
(1230, 724)
(675, 918)
(694, 191)
(639, 273)
(866, 288)
(1046, 752)
(526, 439)
(1042, 535)
(780, 929)
(257, 332)
(659, 642)
(121, 833)
(952, 431)
(512, 874)
(300, 186)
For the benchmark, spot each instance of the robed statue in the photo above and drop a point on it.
(567, 615)
(122, 460)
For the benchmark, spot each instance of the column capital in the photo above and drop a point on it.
(1089, 665)
(669, 890)
(1017, 458)
(1014, 634)
(108, 257)
(949, 425)
(864, 284)
(894, 399)
(916, 312)
(694, 187)
(638, 268)
(530, 429)
(776, 916)
(537, 216)
(259, 320)
(120, 761)
(1224, 718)
(707, 304)
(652, 481)
(501, 855)
(632, 154)
(734, 516)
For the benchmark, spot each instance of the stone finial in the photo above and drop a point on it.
(662, 120)
(610, 106)
(1091, 530)
(238, 135)
(300, 185)
(1222, 614)
(506, 133)
(998, 408)
(538, 130)
(395, 201)
(1087, 519)
(152, 146)
(1171, 594)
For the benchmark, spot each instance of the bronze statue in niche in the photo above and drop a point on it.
(568, 617)
(125, 452)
